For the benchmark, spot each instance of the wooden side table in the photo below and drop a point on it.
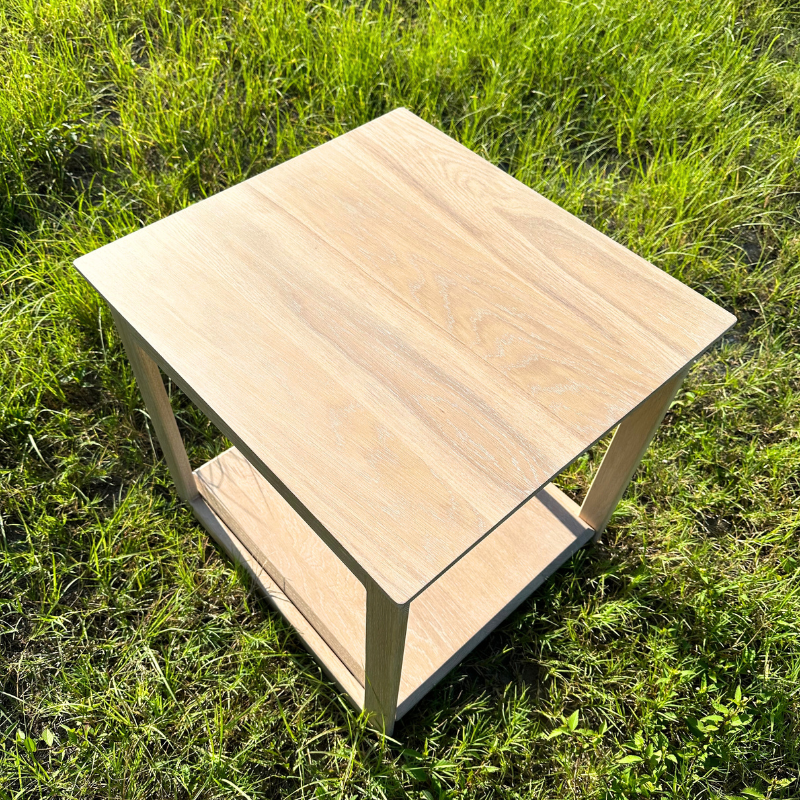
(405, 345)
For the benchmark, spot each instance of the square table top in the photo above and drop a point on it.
(408, 339)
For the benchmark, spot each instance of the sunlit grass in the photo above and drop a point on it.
(136, 663)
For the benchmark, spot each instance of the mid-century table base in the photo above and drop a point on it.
(384, 656)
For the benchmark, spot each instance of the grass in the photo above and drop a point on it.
(136, 663)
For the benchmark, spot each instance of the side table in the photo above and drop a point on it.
(405, 345)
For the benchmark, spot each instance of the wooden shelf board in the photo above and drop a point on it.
(311, 640)
(320, 597)
(450, 618)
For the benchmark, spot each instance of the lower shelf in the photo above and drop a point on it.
(326, 604)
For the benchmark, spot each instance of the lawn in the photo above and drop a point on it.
(136, 662)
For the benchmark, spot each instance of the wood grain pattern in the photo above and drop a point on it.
(453, 615)
(387, 623)
(328, 595)
(627, 447)
(287, 496)
(311, 640)
(151, 387)
(445, 622)
(500, 291)
(407, 340)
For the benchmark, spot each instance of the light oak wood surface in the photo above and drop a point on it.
(405, 340)
(444, 623)
(385, 646)
(328, 595)
(151, 387)
(460, 609)
(306, 632)
(627, 447)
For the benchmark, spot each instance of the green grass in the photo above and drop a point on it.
(136, 663)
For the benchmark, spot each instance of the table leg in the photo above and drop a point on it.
(627, 447)
(151, 386)
(386, 639)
